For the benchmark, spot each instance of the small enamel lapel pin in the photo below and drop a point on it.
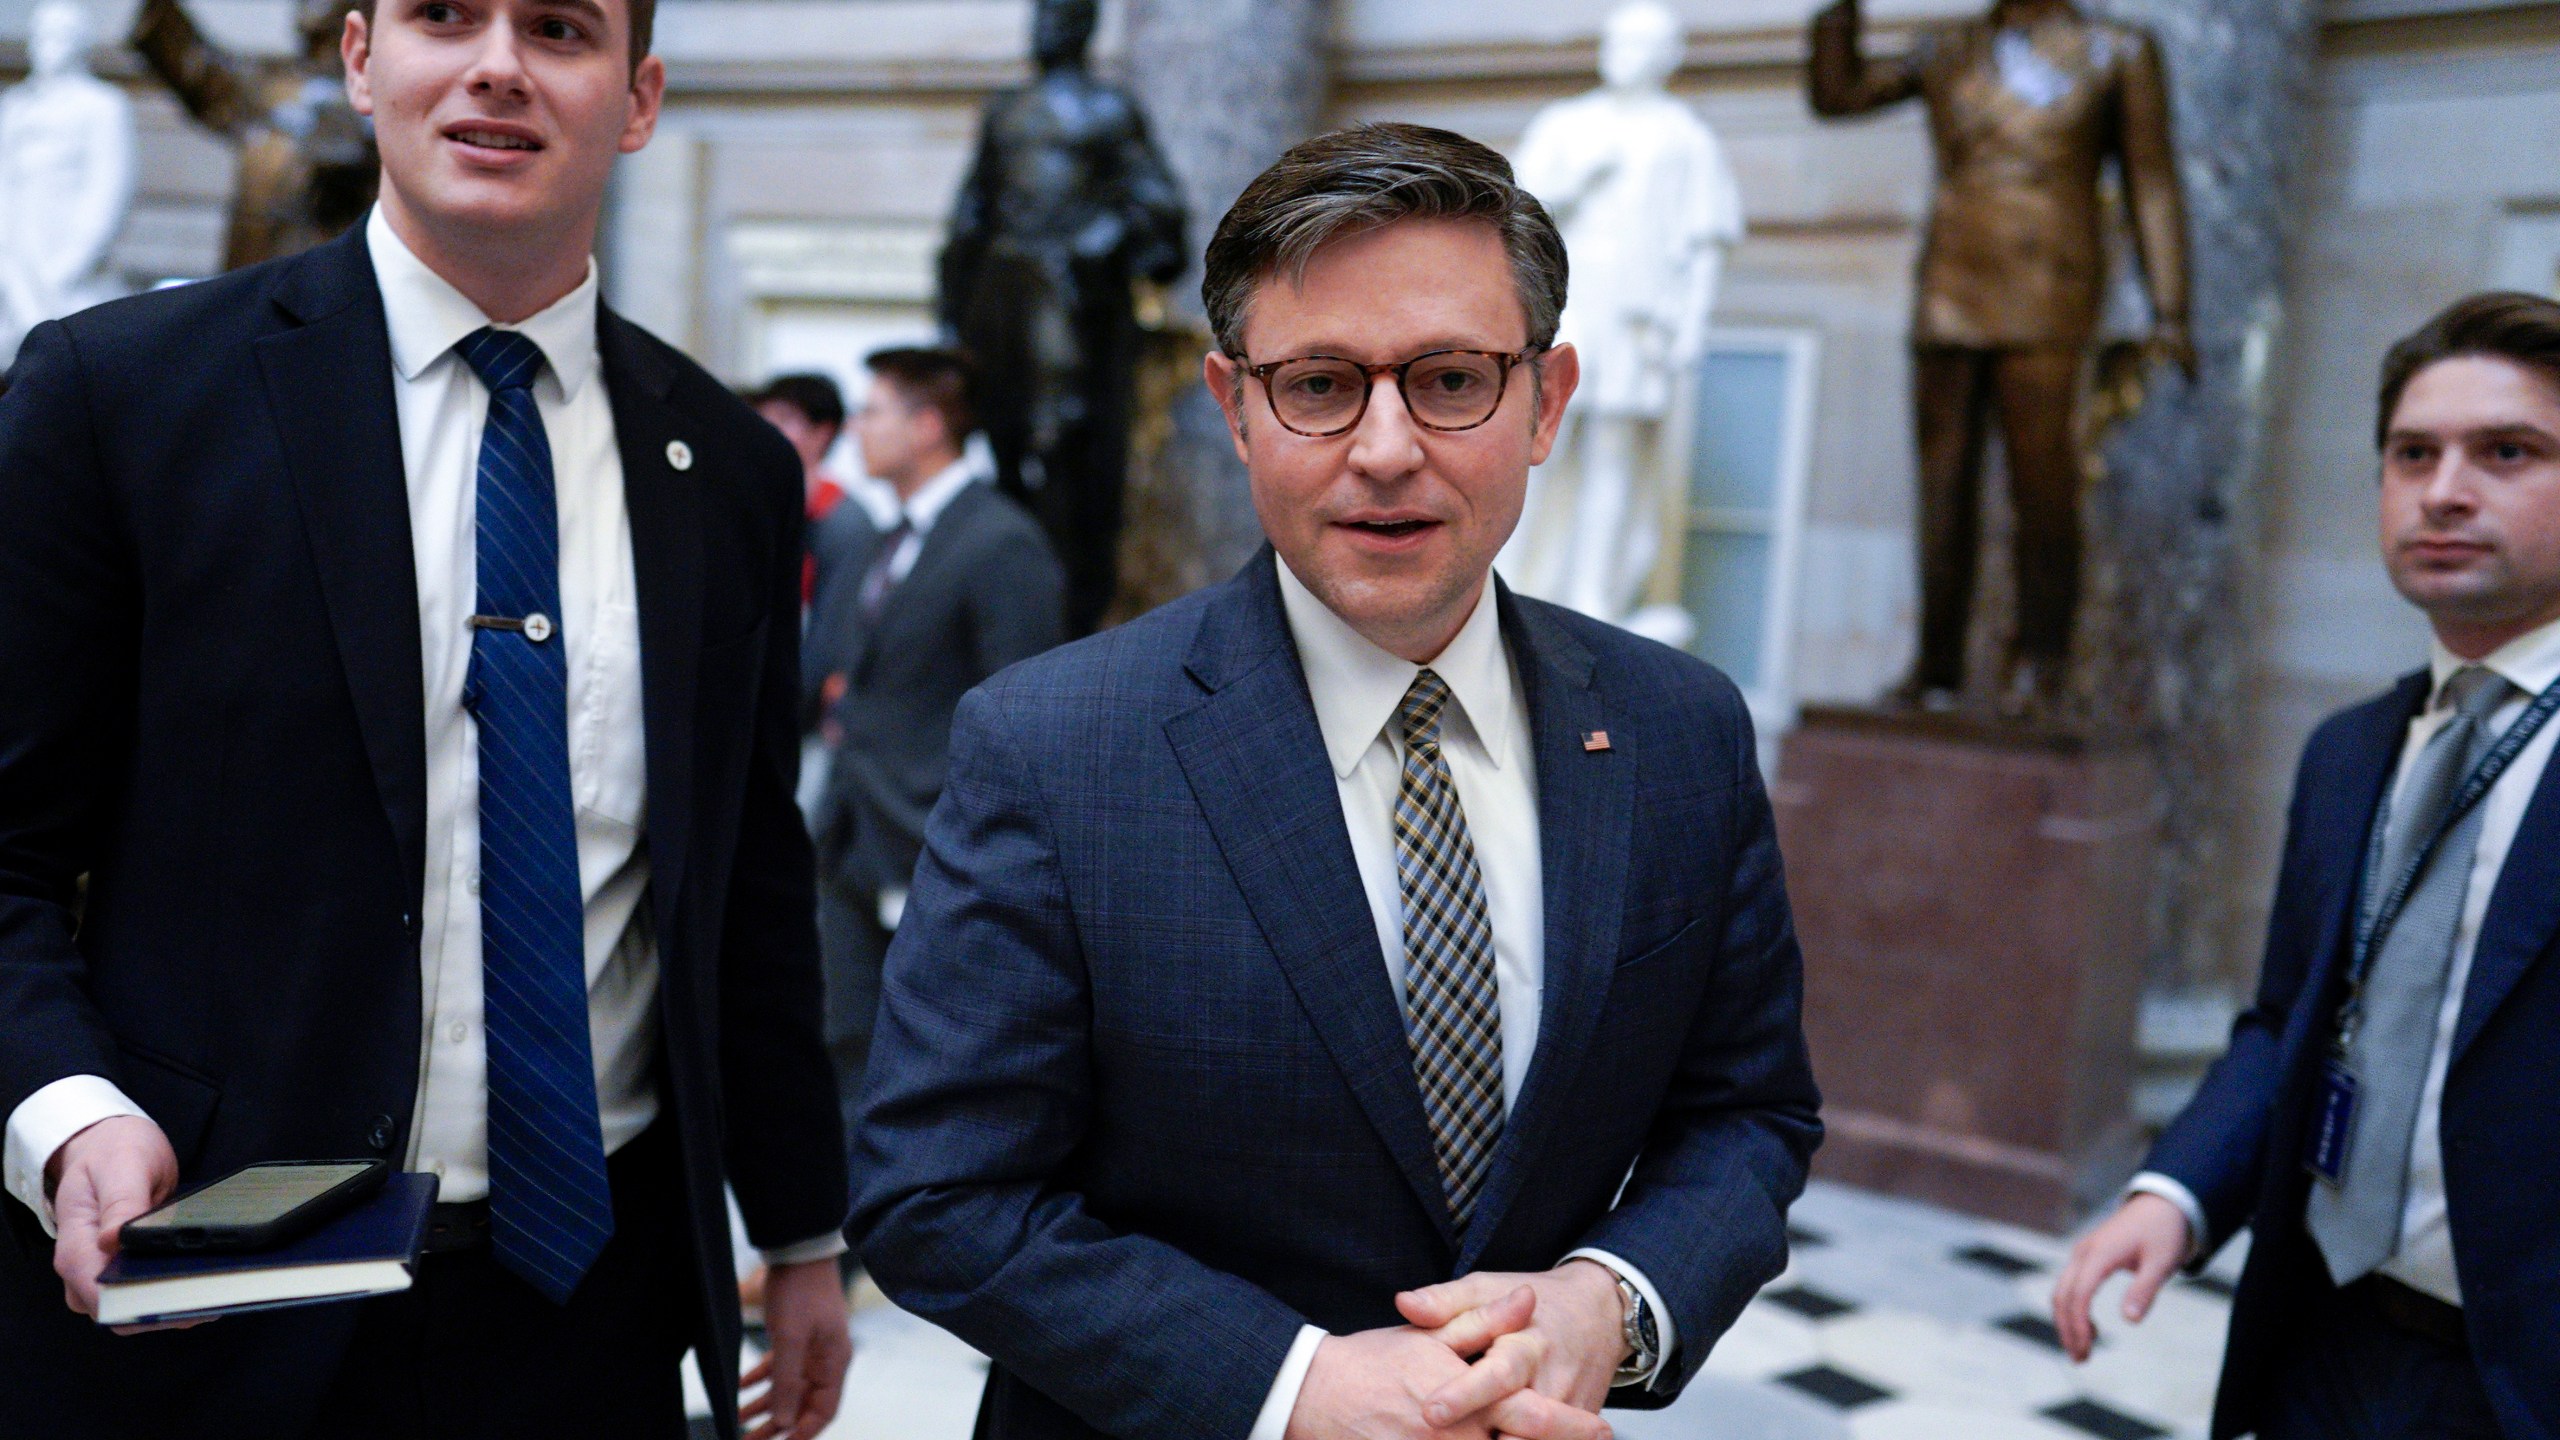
(1595, 741)
(680, 455)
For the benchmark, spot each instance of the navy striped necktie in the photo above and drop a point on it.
(550, 1208)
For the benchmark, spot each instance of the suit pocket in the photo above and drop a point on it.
(1674, 944)
(177, 1098)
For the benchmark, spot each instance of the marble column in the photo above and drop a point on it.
(2176, 521)
(1227, 85)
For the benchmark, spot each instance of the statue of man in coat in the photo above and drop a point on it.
(1066, 204)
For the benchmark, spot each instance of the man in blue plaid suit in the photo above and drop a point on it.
(1354, 1000)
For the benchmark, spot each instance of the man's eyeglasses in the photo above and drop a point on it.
(1319, 396)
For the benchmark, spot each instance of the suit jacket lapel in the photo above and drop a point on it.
(1585, 814)
(2524, 912)
(329, 391)
(666, 558)
(2369, 756)
(1257, 765)
(949, 529)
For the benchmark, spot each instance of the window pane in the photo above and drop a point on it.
(1725, 585)
(1742, 410)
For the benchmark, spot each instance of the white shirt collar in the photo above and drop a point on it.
(935, 495)
(428, 317)
(2530, 662)
(1357, 686)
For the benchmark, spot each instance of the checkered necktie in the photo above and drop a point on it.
(550, 1205)
(1453, 1024)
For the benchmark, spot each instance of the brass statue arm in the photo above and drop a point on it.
(1842, 80)
(2152, 191)
(216, 90)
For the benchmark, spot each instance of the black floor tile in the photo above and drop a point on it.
(2032, 1328)
(1808, 1302)
(2090, 1417)
(1836, 1388)
(1998, 1262)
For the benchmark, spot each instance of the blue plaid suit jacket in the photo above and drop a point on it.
(1140, 1100)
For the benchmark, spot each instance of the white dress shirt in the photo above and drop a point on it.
(441, 408)
(1486, 739)
(2530, 662)
(924, 507)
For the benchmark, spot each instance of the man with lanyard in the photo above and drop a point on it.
(2385, 1121)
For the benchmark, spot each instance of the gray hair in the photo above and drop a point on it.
(1364, 177)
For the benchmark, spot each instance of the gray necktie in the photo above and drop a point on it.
(2357, 1222)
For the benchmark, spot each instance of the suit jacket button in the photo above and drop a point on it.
(380, 1136)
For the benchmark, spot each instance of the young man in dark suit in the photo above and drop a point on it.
(2387, 1122)
(959, 585)
(405, 649)
(1354, 970)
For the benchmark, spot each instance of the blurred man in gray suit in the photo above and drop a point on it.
(960, 584)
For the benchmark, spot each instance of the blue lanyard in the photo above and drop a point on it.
(2376, 919)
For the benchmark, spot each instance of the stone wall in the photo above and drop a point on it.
(812, 146)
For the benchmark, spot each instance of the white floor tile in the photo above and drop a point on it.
(1921, 1358)
(1929, 1420)
(1765, 1342)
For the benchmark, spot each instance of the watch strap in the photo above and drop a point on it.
(1644, 1346)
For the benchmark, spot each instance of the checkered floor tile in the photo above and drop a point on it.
(1893, 1321)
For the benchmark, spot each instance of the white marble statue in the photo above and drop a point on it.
(1640, 188)
(66, 176)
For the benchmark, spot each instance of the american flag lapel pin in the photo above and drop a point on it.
(1595, 741)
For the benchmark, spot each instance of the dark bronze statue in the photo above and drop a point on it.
(307, 163)
(1067, 203)
(2026, 104)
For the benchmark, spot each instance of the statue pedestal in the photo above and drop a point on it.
(1974, 904)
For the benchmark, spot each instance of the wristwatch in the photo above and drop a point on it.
(1644, 1339)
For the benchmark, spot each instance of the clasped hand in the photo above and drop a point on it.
(1530, 1356)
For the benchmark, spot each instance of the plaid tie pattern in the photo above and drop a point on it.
(1452, 1020)
(550, 1204)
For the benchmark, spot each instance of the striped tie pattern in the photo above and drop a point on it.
(1453, 1022)
(550, 1208)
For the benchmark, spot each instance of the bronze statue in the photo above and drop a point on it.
(1067, 202)
(307, 163)
(2026, 104)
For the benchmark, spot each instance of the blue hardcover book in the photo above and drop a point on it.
(366, 1251)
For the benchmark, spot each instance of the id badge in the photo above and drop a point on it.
(2333, 1123)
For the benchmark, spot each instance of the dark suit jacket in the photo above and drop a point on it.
(214, 710)
(839, 543)
(985, 592)
(2239, 1144)
(1140, 1099)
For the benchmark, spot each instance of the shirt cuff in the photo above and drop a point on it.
(1273, 1422)
(44, 1122)
(816, 1247)
(1664, 1331)
(2152, 1182)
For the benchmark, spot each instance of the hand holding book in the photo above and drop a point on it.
(114, 1171)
